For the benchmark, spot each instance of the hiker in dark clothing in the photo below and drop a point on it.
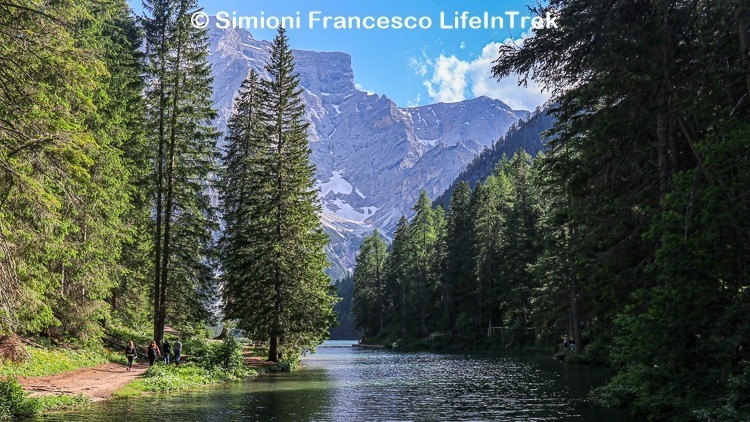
(166, 349)
(153, 352)
(177, 351)
(130, 353)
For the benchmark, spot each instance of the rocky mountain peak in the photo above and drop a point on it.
(372, 157)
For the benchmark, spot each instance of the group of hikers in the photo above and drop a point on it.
(153, 351)
(569, 344)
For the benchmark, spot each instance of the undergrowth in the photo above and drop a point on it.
(53, 361)
(14, 402)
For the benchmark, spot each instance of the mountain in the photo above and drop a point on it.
(372, 157)
(528, 136)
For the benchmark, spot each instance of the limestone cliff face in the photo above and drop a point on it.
(372, 157)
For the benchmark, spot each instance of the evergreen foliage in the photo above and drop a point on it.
(369, 285)
(465, 273)
(179, 123)
(69, 108)
(630, 235)
(273, 246)
(345, 326)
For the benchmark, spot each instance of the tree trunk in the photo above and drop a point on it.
(574, 312)
(403, 309)
(169, 208)
(159, 189)
(743, 27)
(273, 349)
(224, 333)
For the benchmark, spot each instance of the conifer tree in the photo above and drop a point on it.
(437, 301)
(423, 238)
(519, 248)
(246, 237)
(290, 301)
(109, 219)
(644, 96)
(458, 255)
(399, 269)
(179, 124)
(61, 200)
(121, 115)
(369, 283)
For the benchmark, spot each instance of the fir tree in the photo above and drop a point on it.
(399, 269)
(61, 201)
(423, 238)
(458, 254)
(369, 284)
(179, 119)
(284, 291)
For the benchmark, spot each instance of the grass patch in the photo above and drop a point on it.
(14, 402)
(62, 402)
(52, 361)
(162, 378)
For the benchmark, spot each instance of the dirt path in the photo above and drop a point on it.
(97, 383)
(254, 361)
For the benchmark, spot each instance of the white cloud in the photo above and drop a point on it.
(361, 88)
(462, 45)
(454, 80)
(449, 82)
(420, 65)
(415, 101)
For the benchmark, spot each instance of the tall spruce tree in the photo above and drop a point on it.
(284, 294)
(179, 124)
(121, 111)
(369, 283)
(398, 277)
(458, 253)
(423, 238)
(246, 237)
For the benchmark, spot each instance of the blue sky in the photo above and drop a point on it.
(412, 67)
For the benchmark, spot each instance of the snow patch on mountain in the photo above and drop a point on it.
(336, 184)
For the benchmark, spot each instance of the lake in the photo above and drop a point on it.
(343, 383)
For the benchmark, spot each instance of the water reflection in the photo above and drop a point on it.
(344, 384)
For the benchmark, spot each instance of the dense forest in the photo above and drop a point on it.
(630, 234)
(345, 327)
(528, 135)
(109, 166)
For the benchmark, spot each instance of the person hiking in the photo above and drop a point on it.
(166, 350)
(131, 354)
(153, 352)
(177, 349)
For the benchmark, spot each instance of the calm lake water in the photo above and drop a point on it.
(343, 383)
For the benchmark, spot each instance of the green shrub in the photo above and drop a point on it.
(225, 355)
(229, 356)
(13, 401)
(734, 405)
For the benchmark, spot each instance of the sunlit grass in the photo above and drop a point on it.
(53, 361)
(161, 378)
